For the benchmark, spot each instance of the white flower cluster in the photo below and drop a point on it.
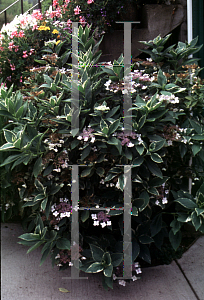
(102, 108)
(24, 21)
(96, 221)
(107, 184)
(169, 98)
(53, 146)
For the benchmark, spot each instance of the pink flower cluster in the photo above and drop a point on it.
(12, 67)
(82, 20)
(37, 14)
(87, 134)
(12, 46)
(25, 54)
(124, 136)
(16, 34)
(101, 217)
(77, 10)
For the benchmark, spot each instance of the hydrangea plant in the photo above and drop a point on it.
(39, 148)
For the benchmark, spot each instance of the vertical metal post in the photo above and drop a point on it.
(5, 17)
(127, 238)
(75, 91)
(39, 4)
(22, 7)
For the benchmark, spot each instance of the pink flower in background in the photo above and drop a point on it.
(23, 22)
(11, 46)
(25, 54)
(58, 12)
(82, 20)
(77, 10)
(69, 22)
(31, 51)
(35, 26)
(67, 1)
(37, 15)
(14, 33)
(12, 67)
(90, 1)
(16, 48)
(21, 34)
(21, 79)
(55, 3)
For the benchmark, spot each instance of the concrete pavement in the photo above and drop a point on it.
(23, 279)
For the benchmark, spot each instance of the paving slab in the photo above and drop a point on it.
(23, 278)
(192, 264)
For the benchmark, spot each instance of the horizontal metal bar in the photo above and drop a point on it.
(101, 208)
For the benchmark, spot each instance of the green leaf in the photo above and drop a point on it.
(108, 271)
(141, 122)
(155, 182)
(145, 253)
(198, 137)
(154, 169)
(144, 195)
(196, 126)
(128, 153)
(175, 239)
(29, 237)
(116, 258)
(48, 170)
(134, 211)
(140, 149)
(64, 290)
(145, 239)
(153, 190)
(156, 158)
(121, 182)
(45, 255)
(156, 225)
(113, 141)
(85, 152)
(176, 226)
(161, 78)
(199, 211)
(35, 246)
(113, 127)
(10, 137)
(196, 220)
(100, 171)
(6, 147)
(106, 259)
(186, 202)
(97, 252)
(19, 112)
(138, 161)
(44, 203)
(86, 172)
(63, 244)
(95, 268)
(107, 282)
(74, 144)
(39, 186)
(55, 188)
(37, 167)
(135, 250)
(85, 215)
(155, 146)
(196, 148)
